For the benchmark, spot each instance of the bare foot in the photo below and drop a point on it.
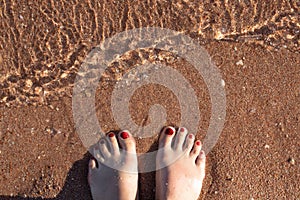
(116, 176)
(183, 178)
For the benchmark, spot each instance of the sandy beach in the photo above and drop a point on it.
(254, 44)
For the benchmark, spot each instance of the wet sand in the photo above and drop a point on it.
(43, 44)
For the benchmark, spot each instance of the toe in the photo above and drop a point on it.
(180, 138)
(103, 147)
(196, 149)
(114, 146)
(92, 164)
(98, 155)
(92, 169)
(166, 137)
(200, 162)
(127, 141)
(201, 158)
(189, 142)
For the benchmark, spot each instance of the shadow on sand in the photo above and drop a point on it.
(75, 187)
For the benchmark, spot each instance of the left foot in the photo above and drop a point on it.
(116, 176)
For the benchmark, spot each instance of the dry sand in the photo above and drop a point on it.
(255, 46)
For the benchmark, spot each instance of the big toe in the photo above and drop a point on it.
(127, 141)
(166, 137)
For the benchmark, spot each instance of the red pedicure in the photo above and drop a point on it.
(182, 129)
(190, 136)
(124, 135)
(169, 131)
(111, 135)
(198, 143)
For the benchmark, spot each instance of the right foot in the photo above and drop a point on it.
(116, 176)
(183, 178)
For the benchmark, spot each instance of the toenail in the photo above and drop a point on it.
(202, 154)
(124, 135)
(102, 142)
(111, 135)
(190, 136)
(198, 143)
(169, 131)
(182, 129)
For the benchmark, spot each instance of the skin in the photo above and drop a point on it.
(107, 183)
(180, 167)
(183, 178)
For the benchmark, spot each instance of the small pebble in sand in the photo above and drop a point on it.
(223, 83)
(38, 90)
(252, 111)
(28, 83)
(0, 152)
(48, 130)
(240, 62)
(63, 75)
(291, 161)
(290, 37)
(280, 126)
(267, 146)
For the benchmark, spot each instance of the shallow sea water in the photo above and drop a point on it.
(42, 44)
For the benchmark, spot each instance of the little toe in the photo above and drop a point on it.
(103, 147)
(166, 137)
(92, 169)
(113, 143)
(200, 162)
(127, 141)
(92, 164)
(180, 138)
(201, 159)
(196, 149)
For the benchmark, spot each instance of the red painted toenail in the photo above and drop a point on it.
(111, 135)
(198, 143)
(124, 135)
(190, 136)
(182, 129)
(169, 131)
